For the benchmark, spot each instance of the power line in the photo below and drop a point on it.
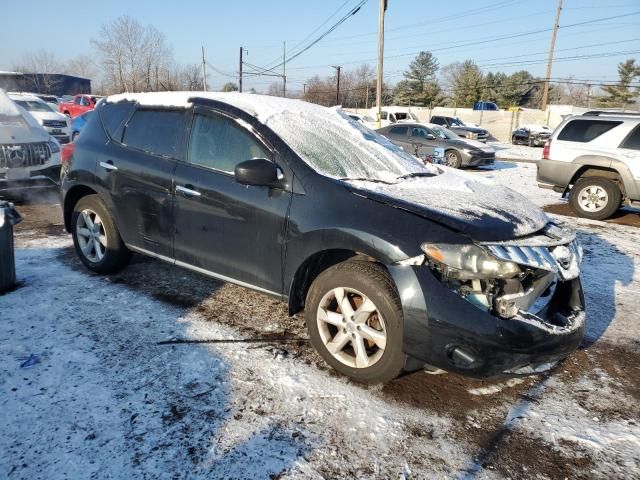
(352, 12)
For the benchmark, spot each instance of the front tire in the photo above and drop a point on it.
(96, 237)
(452, 159)
(596, 198)
(354, 319)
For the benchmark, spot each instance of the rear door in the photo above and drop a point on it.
(140, 178)
(630, 149)
(399, 135)
(232, 231)
(422, 143)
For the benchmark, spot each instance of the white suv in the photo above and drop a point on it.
(54, 122)
(595, 158)
(29, 156)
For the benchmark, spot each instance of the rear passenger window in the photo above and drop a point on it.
(155, 131)
(633, 140)
(113, 115)
(399, 130)
(219, 143)
(586, 130)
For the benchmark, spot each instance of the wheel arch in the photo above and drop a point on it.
(313, 266)
(71, 198)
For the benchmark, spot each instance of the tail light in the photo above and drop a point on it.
(546, 149)
(67, 153)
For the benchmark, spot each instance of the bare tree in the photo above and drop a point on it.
(43, 64)
(134, 57)
(81, 66)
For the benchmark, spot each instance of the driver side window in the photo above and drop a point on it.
(419, 132)
(218, 143)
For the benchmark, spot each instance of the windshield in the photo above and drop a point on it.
(34, 106)
(456, 122)
(336, 147)
(444, 133)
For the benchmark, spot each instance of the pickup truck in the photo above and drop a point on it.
(78, 105)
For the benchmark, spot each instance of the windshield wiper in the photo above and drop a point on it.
(417, 174)
(365, 179)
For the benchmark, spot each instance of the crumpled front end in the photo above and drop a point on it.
(507, 308)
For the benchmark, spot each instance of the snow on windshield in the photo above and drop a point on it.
(325, 138)
(7, 107)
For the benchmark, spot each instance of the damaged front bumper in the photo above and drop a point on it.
(497, 330)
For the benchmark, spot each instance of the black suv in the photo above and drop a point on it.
(396, 264)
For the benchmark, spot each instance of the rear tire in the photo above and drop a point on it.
(96, 237)
(453, 159)
(354, 319)
(596, 198)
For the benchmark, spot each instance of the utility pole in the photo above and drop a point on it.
(204, 74)
(383, 8)
(240, 72)
(545, 92)
(589, 96)
(304, 88)
(366, 97)
(337, 67)
(284, 69)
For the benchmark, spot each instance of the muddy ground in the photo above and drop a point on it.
(478, 419)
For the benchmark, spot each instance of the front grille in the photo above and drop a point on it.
(54, 123)
(552, 259)
(24, 155)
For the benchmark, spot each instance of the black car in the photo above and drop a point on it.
(396, 264)
(460, 128)
(535, 136)
(423, 140)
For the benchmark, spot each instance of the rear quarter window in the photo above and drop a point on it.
(155, 131)
(633, 140)
(586, 130)
(399, 130)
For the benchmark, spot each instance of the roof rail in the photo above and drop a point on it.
(596, 113)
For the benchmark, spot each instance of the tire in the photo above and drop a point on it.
(115, 255)
(596, 198)
(452, 158)
(514, 141)
(75, 136)
(361, 284)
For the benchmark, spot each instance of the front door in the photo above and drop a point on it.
(423, 142)
(233, 231)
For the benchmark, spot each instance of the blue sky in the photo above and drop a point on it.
(453, 31)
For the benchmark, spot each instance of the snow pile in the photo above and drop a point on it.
(326, 138)
(508, 151)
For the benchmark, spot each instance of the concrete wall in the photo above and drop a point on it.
(501, 123)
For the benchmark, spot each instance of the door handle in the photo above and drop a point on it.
(108, 165)
(188, 191)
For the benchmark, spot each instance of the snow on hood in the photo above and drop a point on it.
(17, 125)
(327, 139)
(482, 210)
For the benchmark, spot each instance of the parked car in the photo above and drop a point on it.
(78, 105)
(532, 135)
(393, 114)
(396, 264)
(29, 156)
(365, 120)
(486, 106)
(460, 128)
(78, 123)
(595, 158)
(53, 122)
(422, 140)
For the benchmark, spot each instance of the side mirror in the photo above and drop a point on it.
(430, 136)
(259, 172)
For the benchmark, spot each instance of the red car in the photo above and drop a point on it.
(78, 105)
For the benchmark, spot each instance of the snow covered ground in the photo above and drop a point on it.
(507, 151)
(140, 375)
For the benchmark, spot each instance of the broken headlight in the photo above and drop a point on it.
(467, 262)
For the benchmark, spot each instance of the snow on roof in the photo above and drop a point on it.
(328, 140)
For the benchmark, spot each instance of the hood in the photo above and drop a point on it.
(470, 129)
(483, 211)
(49, 116)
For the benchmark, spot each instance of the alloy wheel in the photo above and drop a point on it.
(91, 235)
(451, 159)
(351, 327)
(593, 198)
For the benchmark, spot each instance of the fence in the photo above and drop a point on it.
(500, 124)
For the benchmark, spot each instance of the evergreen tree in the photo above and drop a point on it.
(622, 94)
(419, 86)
